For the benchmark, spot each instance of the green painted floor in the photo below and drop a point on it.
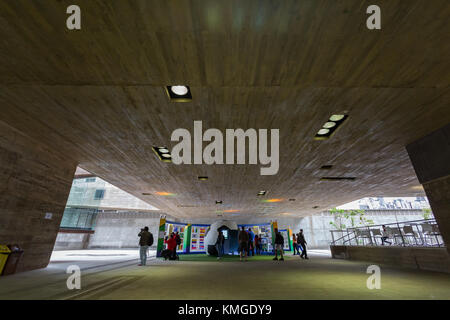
(317, 278)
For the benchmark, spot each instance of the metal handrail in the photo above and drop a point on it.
(421, 237)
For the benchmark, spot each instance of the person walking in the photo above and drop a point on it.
(219, 245)
(302, 242)
(145, 241)
(243, 244)
(279, 244)
(295, 245)
(385, 236)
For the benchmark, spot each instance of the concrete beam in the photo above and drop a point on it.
(430, 157)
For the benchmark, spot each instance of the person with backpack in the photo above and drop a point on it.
(279, 244)
(145, 241)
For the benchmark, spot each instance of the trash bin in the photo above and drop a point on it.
(13, 259)
(4, 253)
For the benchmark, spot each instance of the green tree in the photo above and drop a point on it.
(349, 218)
(426, 212)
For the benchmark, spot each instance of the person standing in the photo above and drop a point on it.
(295, 244)
(146, 240)
(219, 245)
(302, 242)
(251, 238)
(257, 244)
(279, 244)
(172, 246)
(243, 244)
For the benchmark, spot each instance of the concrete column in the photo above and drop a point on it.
(34, 180)
(430, 157)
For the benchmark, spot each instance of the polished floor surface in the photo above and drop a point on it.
(114, 274)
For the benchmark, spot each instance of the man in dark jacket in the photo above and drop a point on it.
(219, 245)
(279, 245)
(243, 244)
(146, 240)
(302, 242)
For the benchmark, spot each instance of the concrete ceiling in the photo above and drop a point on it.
(98, 94)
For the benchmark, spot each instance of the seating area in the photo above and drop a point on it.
(421, 233)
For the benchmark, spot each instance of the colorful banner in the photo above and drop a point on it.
(161, 230)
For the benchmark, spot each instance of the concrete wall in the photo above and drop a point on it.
(72, 240)
(432, 259)
(34, 180)
(120, 229)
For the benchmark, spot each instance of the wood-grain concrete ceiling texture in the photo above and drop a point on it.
(98, 95)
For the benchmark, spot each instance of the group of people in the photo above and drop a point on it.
(299, 243)
(172, 242)
(146, 240)
(248, 241)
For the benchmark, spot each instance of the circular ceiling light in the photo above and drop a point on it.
(329, 124)
(166, 155)
(163, 150)
(179, 90)
(337, 117)
(323, 131)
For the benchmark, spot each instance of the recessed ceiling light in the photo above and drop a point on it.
(162, 193)
(336, 178)
(326, 167)
(315, 207)
(337, 117)
(323, 131)
(146, 194)
(163, 154)
(291, 199)
(218, 201)
(262, 193)
(329, 124)
(179, 90)
(179, 93)
(202, 178)
(328, 129)
(273, 200)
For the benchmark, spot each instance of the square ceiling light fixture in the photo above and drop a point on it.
(219, 202)
(179, 93)
(202, 178)
(163, 154)
(330, 127)
(262, 193)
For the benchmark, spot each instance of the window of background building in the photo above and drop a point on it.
(90, 179)
(99, 194)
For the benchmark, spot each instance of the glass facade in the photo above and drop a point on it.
(79, 218)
